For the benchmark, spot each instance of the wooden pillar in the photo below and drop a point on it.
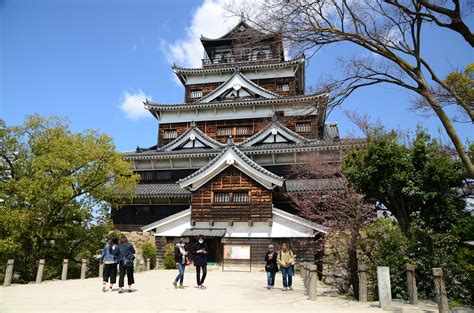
(440, 288)
(83, 268)
(8, 273)
(101, 270)
(148, 264)
(362, 272)
(312, 282)
(64, 272)
(411, 282)
(39, 274)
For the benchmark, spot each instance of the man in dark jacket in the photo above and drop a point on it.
(200, 252)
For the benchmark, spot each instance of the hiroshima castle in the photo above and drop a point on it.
(220, 166)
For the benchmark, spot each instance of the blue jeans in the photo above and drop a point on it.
(271, 278)
(287, 273)
(180, 276)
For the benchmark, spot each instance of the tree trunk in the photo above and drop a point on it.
(353, 264)
(448, 126)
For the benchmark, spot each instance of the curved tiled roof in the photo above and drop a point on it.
(163, 190)
(241, 155)
(152, 106)
(229, 67)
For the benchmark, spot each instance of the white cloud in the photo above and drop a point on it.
(209, 20)
(132, 105)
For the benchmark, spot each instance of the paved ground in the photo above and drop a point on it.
(227, 292)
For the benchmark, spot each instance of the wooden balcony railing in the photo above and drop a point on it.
(231, 212)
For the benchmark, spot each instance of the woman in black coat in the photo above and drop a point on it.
(271, 266)
(200, 252)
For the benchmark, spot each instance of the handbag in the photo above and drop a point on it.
(128, 261)
(187, 261)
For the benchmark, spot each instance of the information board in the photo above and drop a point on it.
(234, 252)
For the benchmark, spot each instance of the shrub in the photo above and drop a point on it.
(169, 262)
(149, 252)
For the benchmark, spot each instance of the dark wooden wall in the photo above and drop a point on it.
(210, 127)
(259, 207)
(131, 217)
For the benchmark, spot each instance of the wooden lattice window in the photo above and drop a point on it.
(163, 175)
(170, 134)
(147, 176)
(243, 130)
(303, 127)
(240, 197)
(231, 197)
(283, 87)
(221, 197)
(197, 93)
(224, 131)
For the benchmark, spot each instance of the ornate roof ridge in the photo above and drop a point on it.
(183, 135)
(237, 73)
(267, 127)
(223, 37)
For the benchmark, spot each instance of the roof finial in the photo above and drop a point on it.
(274, 118)
(230, 141)
(193, 124)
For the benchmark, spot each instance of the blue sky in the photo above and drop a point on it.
(85, 59)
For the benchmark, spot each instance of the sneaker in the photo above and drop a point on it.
(203, 287)
(175, 285)
(104, 289)
(291, 288)
(120, 290)
(268, 287)
(181, 286)
(285, 289)
(198, 287)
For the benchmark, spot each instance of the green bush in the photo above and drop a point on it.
(149, 252)
(170, 263)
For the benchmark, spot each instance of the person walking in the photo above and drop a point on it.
(200, 252)
(109, 259)
(181, 259)
(271, 266)
(126, 257)
(286, 259)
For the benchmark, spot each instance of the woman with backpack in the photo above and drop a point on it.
(109, 259)
(271, 266)
(126, 258)
(181, 259)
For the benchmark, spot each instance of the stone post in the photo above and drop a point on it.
(148, 264)
(312, 282)
(440, 288)
(302, 271)
(39, 274)
(411, 282)
(101, 270)
(64, 273)
(362, 272)
(157, 263)
(8, 273)
(306, 274)
(83, 268)
(384, 288)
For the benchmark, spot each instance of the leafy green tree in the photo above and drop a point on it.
(408, 180)
(56, 191)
